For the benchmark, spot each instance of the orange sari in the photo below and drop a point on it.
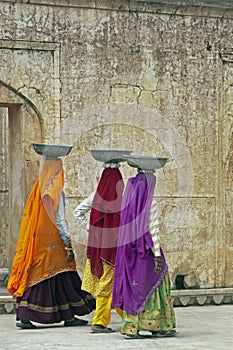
(40, 251)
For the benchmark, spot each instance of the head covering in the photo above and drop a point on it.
(51, 183)
(135, 277)
(105, 221)
(40, 252)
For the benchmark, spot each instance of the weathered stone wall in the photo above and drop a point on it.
(4, 191)
(151, 76)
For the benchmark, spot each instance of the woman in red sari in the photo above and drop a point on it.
(98, 278)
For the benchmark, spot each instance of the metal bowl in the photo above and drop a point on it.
(51, 151)
(146, 162)
(109, 156)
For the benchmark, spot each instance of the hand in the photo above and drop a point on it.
(70, 256)
(158, 264)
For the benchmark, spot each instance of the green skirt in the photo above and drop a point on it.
(158, 314)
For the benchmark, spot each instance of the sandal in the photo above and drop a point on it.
(98, 328)
(171, 333)
(75, 322)
(133, 336)
(25, 325)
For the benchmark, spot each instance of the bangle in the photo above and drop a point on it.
(67, 248)
(157, 257)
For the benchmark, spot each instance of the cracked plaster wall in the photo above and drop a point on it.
(142, 76)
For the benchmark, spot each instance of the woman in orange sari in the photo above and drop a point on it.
(44, 279)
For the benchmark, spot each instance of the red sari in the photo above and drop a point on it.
(105, 221)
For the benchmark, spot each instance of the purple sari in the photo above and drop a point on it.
(135, 277)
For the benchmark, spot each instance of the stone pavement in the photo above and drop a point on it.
(200, 327)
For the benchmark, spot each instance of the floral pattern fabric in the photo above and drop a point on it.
(158, 314)
(98, 287)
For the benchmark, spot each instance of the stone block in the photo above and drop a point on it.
(218, 298)
(184, 300)
(9, 307)
(4, 275)
(201, 299)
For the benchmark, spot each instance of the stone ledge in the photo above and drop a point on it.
(199, 297)
(188, 297)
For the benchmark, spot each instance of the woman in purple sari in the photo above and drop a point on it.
(141, 281)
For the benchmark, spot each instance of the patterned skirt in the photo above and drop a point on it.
(158, 314)
(54, 300)
(98, 287)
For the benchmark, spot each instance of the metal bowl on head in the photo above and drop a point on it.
(51, 151)
(109, 156)
(146, 162)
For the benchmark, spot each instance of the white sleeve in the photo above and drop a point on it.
(83, 208)
(61, 222)
(154, 228)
